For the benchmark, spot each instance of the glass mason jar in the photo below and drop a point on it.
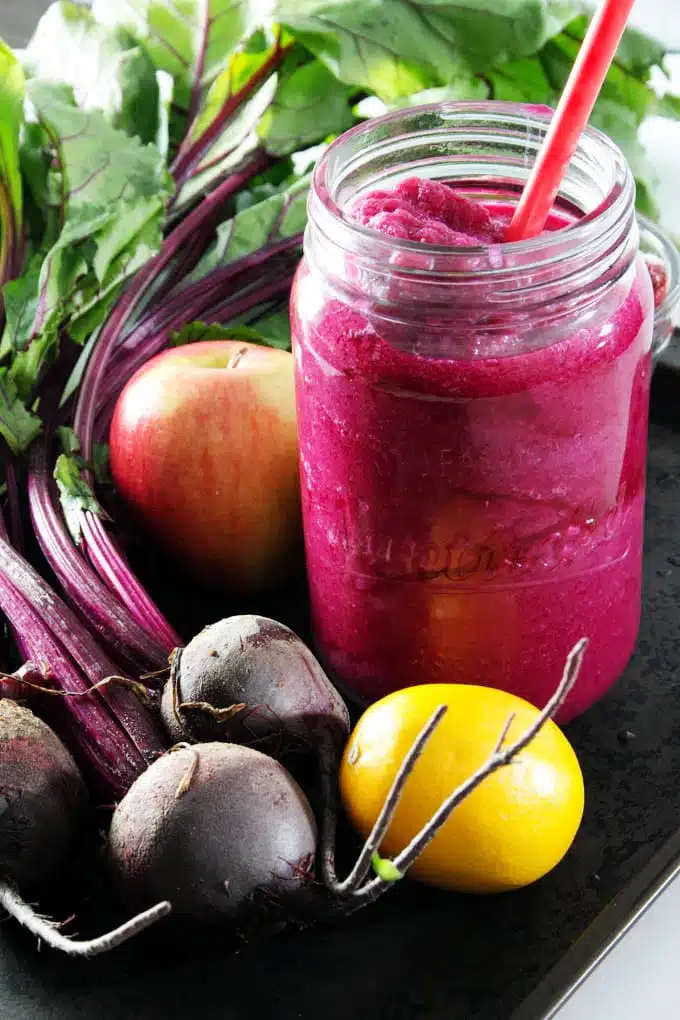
(473, 421)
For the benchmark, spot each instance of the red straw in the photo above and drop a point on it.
(571, 116)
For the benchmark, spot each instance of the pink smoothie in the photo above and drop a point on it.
(469, 518)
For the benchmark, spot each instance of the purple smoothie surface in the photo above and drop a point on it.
(429, 212)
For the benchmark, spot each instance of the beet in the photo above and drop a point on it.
(264, 682)
(42, 803)
(252, 680)
(218, 830)
(42, 797)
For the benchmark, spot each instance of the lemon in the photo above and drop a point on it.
(513, 829)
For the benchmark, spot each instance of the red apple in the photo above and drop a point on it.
(204, 451)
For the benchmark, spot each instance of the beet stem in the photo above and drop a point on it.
(16, 530)
(130, 643)
(99, 737)
(47, 931)
(499, 758)
(111, 566)
(63, 623)
(328, 767)
(189, 301)
(384, 819)
(192, 152)
(197, 302)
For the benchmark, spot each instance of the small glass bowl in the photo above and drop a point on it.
(658, 243)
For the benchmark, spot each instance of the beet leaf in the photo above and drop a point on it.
(106, 69)
(11, 199)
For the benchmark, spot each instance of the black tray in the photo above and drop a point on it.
(418, 953)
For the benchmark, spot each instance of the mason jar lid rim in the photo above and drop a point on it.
(607, 214)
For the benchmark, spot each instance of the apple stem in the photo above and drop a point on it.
(237, 357)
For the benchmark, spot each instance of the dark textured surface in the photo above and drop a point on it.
(421, 955)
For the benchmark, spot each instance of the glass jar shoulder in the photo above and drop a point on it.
(451, 352)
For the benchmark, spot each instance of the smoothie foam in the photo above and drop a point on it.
(470, 517)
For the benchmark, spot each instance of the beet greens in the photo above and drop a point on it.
(12, 89)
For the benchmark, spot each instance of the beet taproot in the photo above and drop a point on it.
(43, 800)
(42, 797)
(216, 829)
(251, 679)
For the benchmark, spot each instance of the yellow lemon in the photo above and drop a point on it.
(513, 829)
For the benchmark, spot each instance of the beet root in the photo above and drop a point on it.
(252, 680)
(216, 829)
(42, 797)
(248, 679)
(42, 802)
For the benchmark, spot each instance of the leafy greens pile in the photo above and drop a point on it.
(154, 166)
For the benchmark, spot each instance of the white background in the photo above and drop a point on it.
(638, 979)
(661, 18)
